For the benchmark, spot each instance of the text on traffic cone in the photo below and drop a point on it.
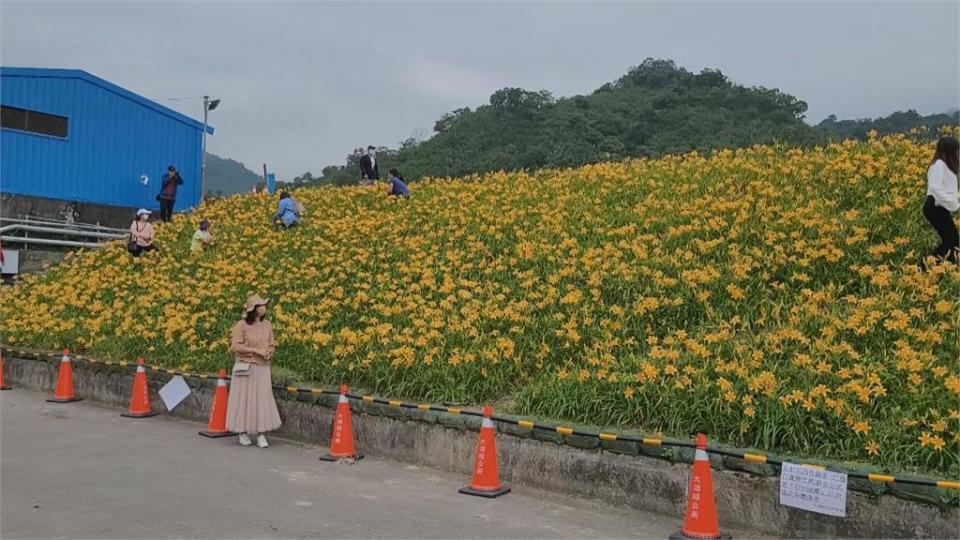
(486, 470)
(140, 398)
(64, 390)
(217, 425)
(700, 520)
(3, 385)
(341, 441)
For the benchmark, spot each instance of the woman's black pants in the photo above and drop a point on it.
(942, 222)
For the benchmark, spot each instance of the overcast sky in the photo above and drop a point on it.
(303, 83)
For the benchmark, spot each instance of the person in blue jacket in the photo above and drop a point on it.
(168, 193)
(398, 187)
(287, 214)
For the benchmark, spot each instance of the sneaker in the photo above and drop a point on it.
(262, 441)
(245, 440)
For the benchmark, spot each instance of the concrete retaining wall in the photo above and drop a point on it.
(612, 472)
(20, 206)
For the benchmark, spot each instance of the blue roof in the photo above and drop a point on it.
(110, 87)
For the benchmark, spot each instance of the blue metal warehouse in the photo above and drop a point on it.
(71, 136)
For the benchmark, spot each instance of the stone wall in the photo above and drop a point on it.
(618, 473)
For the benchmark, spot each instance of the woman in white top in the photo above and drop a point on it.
(942, 198)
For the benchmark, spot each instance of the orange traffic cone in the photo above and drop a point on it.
(140, 398)
(64, 391)
(217, 426)
(700, 522)
(486, 471)
(3, 385)
(341, 442)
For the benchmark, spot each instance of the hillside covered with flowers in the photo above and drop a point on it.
(768, 296)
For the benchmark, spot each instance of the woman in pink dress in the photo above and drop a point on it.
(251, 408)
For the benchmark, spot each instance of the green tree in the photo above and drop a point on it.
(655, 108)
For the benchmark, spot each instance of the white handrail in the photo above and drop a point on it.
(72, 225)
(49, 242)
(61, 231)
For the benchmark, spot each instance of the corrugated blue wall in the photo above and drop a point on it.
(114, 137)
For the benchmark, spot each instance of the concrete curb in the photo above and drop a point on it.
(447, 442)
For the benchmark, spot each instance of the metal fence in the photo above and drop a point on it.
(59, 233)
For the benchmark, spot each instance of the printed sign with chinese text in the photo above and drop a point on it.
(813, 489)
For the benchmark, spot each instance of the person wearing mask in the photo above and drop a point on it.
(251, 408)
(358, 153)
(168, 193)
(368, 165)
(942, 198)
(398, 188)
(287, 214)
(201, 238)
(141, 234)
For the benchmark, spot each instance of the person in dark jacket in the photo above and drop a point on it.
(368, 165)
(168, 193)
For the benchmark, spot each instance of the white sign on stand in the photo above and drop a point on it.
(175, 391)
(816, 490)
(11, 262)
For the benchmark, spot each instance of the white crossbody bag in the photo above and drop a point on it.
(241, 368)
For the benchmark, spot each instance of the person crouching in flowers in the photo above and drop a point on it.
(396, 185)
(251, 408)
(287, 215)
(141, 234)
(201, 238)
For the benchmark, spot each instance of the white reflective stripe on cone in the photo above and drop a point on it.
(343, 399)
(221, 382)
(140, 369)
(486, 422)
(701, 455)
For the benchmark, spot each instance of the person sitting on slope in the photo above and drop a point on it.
(201, 238)
(398, 187)
(287, 214)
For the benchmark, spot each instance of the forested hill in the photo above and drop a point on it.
(226, 176)
(898, 122)
(654, 109)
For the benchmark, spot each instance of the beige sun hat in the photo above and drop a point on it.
(253, 301)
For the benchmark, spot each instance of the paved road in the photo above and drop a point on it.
(80, 470)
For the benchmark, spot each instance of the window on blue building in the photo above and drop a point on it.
(33, 121)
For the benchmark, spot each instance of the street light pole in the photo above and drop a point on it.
(203, 163)
(208, 105)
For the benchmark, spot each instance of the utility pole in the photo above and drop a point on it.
(208, 105)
